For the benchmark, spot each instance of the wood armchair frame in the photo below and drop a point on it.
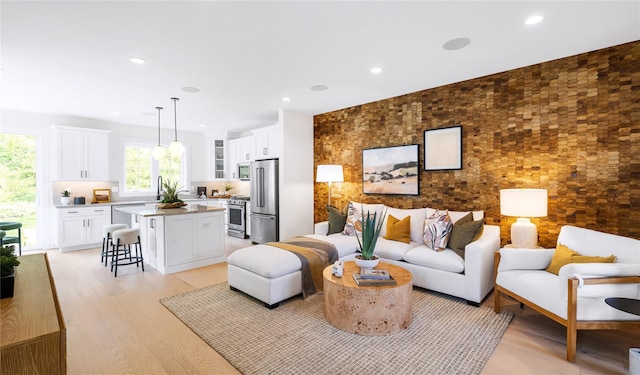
(571, 323)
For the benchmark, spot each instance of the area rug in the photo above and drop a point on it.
(446, 336)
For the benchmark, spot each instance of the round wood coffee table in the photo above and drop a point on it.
(368, 310)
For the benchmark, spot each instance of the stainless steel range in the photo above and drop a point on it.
(237, 206)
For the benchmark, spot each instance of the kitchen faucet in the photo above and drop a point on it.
(159, 186)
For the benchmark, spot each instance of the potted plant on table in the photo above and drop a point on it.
(170, 192)
(8, 264)
(371, 226)
(65, 199)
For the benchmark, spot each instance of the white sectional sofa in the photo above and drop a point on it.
(272, 275)
(575, 297)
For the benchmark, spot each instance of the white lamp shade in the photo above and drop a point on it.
(329, 173)
(523, 202)
(176, 149)
(158, 152)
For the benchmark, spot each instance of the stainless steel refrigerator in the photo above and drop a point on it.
(264, 201)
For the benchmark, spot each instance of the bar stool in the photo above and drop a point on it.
(123, 256)
(11, 225)
(107, 240)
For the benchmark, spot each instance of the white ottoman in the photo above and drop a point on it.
(265, 272)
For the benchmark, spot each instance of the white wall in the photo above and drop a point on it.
(296, 174)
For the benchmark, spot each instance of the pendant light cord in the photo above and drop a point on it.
(159, 109)
(175, 118)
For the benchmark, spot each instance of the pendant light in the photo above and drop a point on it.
(175, 148)
(158, 151)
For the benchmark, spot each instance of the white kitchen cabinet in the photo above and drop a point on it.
(241, 150)
(81, 154)
(218, 159)
(222, 203)
(81, 227)
(151, 238)
(268, 142)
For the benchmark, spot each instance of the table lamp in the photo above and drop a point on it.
(524, 204)
(329, 173)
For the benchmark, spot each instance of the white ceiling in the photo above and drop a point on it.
(71, 58)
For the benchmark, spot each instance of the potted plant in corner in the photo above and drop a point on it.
(170, 192)
(371, 226)
(65, 199)
(8, 264)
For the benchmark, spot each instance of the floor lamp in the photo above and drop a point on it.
(523, 204)
(329, 173)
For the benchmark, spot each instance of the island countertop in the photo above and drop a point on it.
(150, 211)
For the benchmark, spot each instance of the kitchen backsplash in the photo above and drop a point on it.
(85, 189)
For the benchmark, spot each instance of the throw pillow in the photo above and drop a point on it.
(463, 234)
(353, 222)
(564, 255)
(437, 229)
(337, 220)
(398, 230)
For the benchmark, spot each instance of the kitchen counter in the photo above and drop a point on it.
(117, 203)
(179, 239)
(151, 211)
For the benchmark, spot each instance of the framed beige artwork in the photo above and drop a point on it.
(443, 149)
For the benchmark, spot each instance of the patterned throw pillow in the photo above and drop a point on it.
(437, 229)
(354, 221)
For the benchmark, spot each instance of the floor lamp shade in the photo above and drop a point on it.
(329, 173)
(523, 204)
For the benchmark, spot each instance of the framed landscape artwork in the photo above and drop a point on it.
(443, 149)
(391, 170)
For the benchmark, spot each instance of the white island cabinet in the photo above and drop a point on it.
(180, 239)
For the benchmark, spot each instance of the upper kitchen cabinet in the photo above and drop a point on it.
(81, 154)
(268, 142)
(218, 151)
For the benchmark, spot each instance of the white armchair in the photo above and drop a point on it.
(576, 296)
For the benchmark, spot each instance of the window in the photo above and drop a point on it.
(142, 171)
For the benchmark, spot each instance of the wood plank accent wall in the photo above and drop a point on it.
(571, 126)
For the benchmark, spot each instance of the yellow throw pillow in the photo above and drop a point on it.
(563, 255)
(399, 230)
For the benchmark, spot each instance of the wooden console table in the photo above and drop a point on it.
(32, 329)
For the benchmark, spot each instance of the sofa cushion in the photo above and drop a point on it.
(417, 221)
(563, 255)
(457, 215)
(344, 244)
(524, 259)
(398, 230)
(337, 220)
(464, 231)
(446, 260)
(437, 229)
(393, 250)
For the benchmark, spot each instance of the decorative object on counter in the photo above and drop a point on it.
(8, 263)
(202, 192)
(175, 148)
(101, 195)
(158, 151)
(79, 200)
(370, 231)
(65, 200)
(227, 188)
(170, 192)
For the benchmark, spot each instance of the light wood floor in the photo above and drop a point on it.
(117, 326)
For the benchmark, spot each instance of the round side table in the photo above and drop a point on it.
(368, 310)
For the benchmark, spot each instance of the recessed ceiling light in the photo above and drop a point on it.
(533, 20)
(137, 60)
(376, 70)
(190, 89)
(319, 88)
(456, 43)
(203, 125)
(286, 99)
(116, 113)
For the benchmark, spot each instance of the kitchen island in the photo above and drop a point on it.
(179, 239)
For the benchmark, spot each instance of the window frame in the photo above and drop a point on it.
(155, 168)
